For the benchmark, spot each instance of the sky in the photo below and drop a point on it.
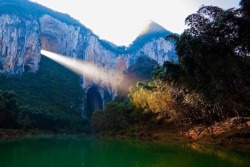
(121, 21)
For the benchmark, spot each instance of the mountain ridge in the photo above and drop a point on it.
(27, 27)
(152, 27)
(38, 10)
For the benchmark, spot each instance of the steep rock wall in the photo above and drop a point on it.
(158, 49)
(60, 37)
(21, 40)
(19, 44)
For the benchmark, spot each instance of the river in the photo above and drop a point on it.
(82, 151)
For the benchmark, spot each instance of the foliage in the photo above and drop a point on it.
(142, 68)
(154, 98)
(245, 8)
(211, 81)
(8, 109)
(113, 118)
(213, 52)
(214, 60)
(140, 71)
(168, 72)
(98, 121)
(49, 99)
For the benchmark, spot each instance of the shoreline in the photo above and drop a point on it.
(226, 133)
(18, 133)
(229, 133)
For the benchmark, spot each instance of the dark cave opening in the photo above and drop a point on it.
(94, 100)
(27, 68)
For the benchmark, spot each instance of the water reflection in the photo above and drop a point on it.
(70, 151)
(232, 155)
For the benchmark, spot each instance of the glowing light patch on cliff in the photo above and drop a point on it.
(87, 69)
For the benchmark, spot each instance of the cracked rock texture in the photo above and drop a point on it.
(23, 35)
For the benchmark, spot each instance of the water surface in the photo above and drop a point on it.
(79, 151)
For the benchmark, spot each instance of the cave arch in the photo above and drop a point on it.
(94, 100)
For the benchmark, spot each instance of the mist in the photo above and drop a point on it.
(87, 69)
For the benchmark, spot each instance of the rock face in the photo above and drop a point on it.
(59, 37)
(22, 38)
(152, 45)
(19, 44)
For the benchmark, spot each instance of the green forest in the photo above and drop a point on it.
(49, 99)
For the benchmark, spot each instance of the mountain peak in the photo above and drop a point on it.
(152, 27)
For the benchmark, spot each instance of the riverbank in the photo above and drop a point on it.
(233, 132)
(16, 133)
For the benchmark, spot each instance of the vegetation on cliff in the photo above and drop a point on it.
(50, 99)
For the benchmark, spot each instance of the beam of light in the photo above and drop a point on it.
(87, 69)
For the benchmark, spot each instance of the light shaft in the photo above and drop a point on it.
(87, 69)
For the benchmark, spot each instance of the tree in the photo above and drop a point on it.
(26, 122)
(214, 51)
(245, 8)
(8, 109)
(214, 62)
(98, 121)
(114, 117)
(117, 115)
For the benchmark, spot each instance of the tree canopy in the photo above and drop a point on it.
(211, 80)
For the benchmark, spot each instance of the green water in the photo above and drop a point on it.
(79, 151)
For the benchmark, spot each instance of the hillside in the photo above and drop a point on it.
(51, 98)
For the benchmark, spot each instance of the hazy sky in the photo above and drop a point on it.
(120, 21)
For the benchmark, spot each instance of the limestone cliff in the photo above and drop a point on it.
(24, 34)
(19, 44)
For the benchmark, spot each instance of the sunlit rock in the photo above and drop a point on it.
(22, 36)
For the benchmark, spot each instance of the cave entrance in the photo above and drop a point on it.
(94, 100)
